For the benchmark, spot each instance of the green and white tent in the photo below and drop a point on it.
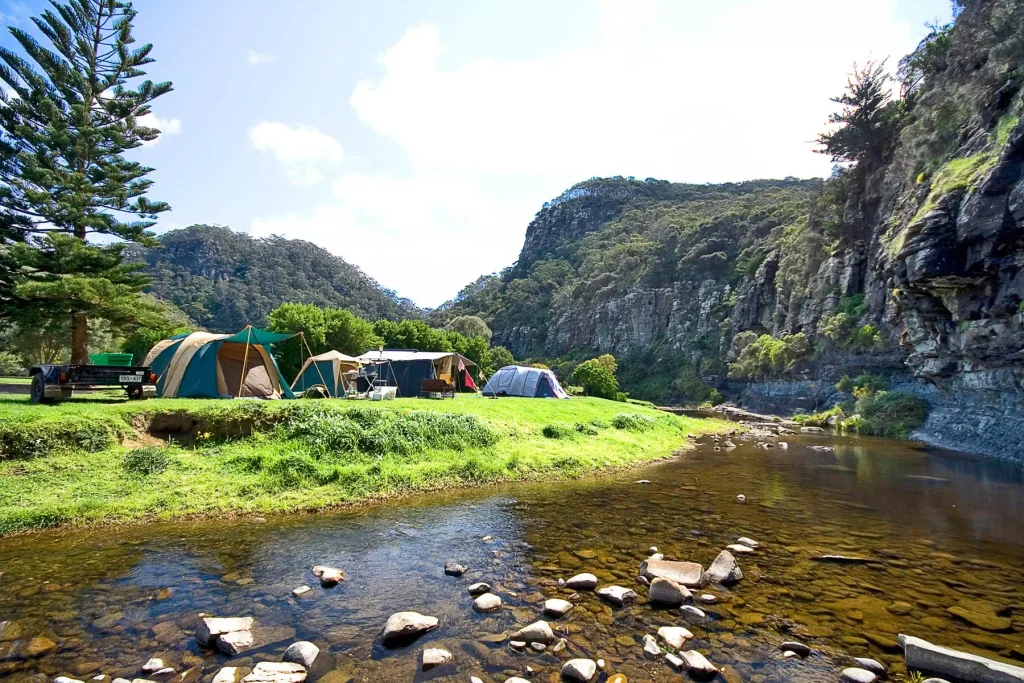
(327, 369)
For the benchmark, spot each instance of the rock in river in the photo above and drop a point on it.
(557, 608)
(407, 625)
(922, 655)
(697, 665)
(684, 573)
(872, 665)
(676, 636)
(276, 672)
(667, 592)
(723, 570)
(537, 632)
(857, 675)
(796, 646)
(479, 588)
(302, 652)
(582, 670)
(617, 595)
(230, 635)
(651, 648)
(982, 619)
(329, 576)
(739, 548)
(692, 614)
(582, 582)
(488, 602)
(454, 569)
(749, 542)
(435, 656)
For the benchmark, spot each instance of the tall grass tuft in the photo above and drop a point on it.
(634, 422)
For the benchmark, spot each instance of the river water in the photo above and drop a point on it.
(942, 530)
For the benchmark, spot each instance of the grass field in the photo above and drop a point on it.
(88, 461)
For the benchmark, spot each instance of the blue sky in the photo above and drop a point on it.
(418, 139)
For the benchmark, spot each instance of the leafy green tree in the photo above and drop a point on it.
(292, 319)
(63, 175)
(346, 332)
(608, 362)
(170, 322)
(469, 326)
(869, 121)
(500, 357)
(595, 379)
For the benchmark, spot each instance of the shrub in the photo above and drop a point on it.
(584, 428)
(634, 422)
(146, 461)
(557, 432)
(11, 364)
(889, 413)
(770, 357)
(595, 378)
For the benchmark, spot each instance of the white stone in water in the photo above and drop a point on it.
(651, 648)
(872, 665)
(739, 549)
(617, 595)
(435, 656)
(488, 602)
(229, 674)
(582, 582)
(683, 573)
(538, 647)
(276, 672)
(302, 652)
(922, 655)
(656, 556)
(697, 664)
(789, 654)
(401, 625)
(676, 636)
(557, 608)
(209, 627)
(516, 679)
(560, 645)
(708, 598)
(154, 664)
(723, 570)
(66, 679)
(582, 670)
(600, 664)
(560, 582)
(537, 632)
(796, 646)
(857, 675)
(674, 661)
(235, 642)
(301, 590)
(783, 445)
(741, 498)
(479, 588)
(749, 542)
(667, 592)
(474, 679)
(692, 614)
(517, 645)
(653, 549)
(642, 481)
(328, 576)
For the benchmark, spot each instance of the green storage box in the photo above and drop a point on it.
(120, 359)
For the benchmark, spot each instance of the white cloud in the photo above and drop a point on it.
(398, 229)
(255, 58)
(165, 126)
(304, 151)
(735, 98)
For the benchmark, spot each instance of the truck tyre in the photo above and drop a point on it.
(134, 393)
(37, 394)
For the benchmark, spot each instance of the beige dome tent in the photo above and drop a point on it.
(329, 370)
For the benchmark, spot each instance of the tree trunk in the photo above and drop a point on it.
(79, 338)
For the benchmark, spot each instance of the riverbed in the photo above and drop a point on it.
(937, 531)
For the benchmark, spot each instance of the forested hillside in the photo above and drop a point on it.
(224, 280)
(907, 263)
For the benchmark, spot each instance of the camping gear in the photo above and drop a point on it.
(329, 369)
(516, 380)
(406, 369)
(205, 365)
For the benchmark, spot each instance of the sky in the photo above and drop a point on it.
(417, 139)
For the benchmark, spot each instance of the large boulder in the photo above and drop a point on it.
(403, 626)
(684, 573)
(537, 632)
(667, 592)
(723, 570)
(922, 655)
(582, 670)
(211, 627)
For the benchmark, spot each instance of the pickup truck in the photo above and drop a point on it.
(52, 383)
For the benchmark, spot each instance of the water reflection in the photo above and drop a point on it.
(941, 530)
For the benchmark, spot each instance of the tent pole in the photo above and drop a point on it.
(310, 351)
(245, 362)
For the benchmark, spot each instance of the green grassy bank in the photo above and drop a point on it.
(93, 461)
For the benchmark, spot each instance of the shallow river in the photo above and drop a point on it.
(943, 531)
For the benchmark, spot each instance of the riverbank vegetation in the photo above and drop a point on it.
(84, 461)
(874, 410)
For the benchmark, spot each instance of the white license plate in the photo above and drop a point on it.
(129, 379)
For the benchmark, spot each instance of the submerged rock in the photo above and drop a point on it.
(487, 602)
(276, 672)
(582, 582)
(479, 588)
(582, 670)
(617, 595)
(684, 573)
(230, 635)
(667, 592)
(235, 642)
(407, 625)
(723, 570)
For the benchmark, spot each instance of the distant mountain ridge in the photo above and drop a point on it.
(224, 279)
